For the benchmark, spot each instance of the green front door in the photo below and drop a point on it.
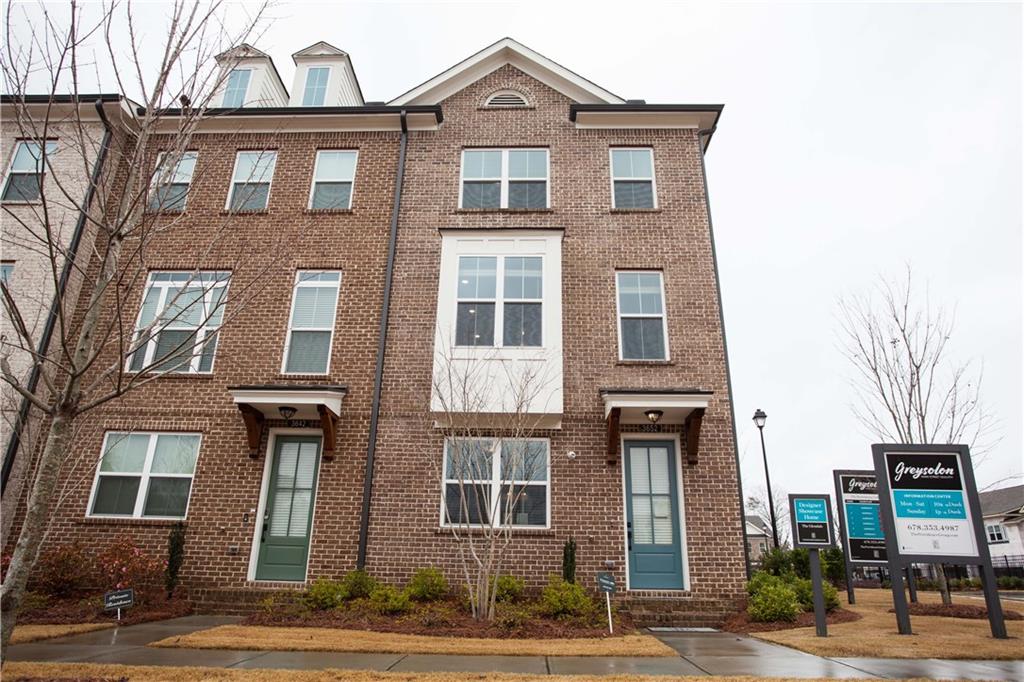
(652, 516)
(287, 521)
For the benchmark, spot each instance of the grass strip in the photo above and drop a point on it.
(34, 633)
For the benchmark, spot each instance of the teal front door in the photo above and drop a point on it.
(652, 516)
(287, 521)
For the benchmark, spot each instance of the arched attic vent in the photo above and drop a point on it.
(506, 99)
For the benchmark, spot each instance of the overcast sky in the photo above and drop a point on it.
(856, 138)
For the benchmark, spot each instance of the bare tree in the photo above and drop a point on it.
(757, 504)
(102, 348)
(908, 389)
(495, 470)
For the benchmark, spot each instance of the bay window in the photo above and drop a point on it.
(500, 298)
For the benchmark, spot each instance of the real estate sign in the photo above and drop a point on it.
(812, 520)
(859, 518)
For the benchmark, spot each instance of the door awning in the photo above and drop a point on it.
(299, 402)
(681, 406)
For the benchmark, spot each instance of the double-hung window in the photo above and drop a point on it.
(177, 326)
(643, 334)
(145, 475)
(25, 176)
(995, 533)
(333, 175)
(633, 178)
(311, 326)
(6, 270)
(504, 178)
(250, 182)
(316, 86)
(236, 88)
(500, 297)
(496, 482)
(171, 181)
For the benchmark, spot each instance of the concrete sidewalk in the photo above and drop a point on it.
(700, 653)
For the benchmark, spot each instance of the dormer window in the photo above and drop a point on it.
(506, 99)
(316, 86)
(235, 90)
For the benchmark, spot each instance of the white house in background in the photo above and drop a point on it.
(759, 537)
(252, 80)
(1003, 513)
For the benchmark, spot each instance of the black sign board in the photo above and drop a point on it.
(606, 582)
(860, 521)
(118, 599)
(812, 521)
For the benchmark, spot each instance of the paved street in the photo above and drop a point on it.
(700, 653)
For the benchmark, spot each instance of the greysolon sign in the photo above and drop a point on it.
(859, 519)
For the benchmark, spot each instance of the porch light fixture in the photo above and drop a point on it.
(653, 415)
(287, 412)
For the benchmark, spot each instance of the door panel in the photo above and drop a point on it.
(284, 541)
(652, 516)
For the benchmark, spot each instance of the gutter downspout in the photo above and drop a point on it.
(51, 321)
(371, 447)
(725, 346)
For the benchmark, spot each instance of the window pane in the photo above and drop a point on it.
(629, 293)
(527, 195)
(474, 324)
(22, 187)
(481, 164)
(168, 198)
(28, 157)
(126, 453)
(332, 195)
(522, 324)
(249, 196)
(308, 352)
(531, 163)
(174, 350)
(523, 277)
(237, 84)
(208, 352)
(631, 163)
(255, 167)
(175, 454)
(640, 293)
(316, 87)
(335, 165)
(314, 307)
(524, 460)
(634, 194)
(467, 504)
(167, 497)
(524, 505)
(470, 459)
(184, 308)
(642, 339)
(116, 495)
(477, 276)
(481, 195)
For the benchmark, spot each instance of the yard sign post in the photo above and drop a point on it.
(118, 599)
(931, 514)
(812, 529)
(860, 526)
(606, 583)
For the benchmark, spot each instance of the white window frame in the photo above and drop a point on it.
(18, 144)
(504, 179)
(496, 482)
(312, 185)
(6, 270)
(499, 300)
(327, 85)
(611, 173)
(291, 313)
(227, 84)
(663, 315)
(997, 530)
(144, 476)
(196, 279)
(155, 183)
(234, 182)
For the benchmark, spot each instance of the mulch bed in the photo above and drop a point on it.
(957, 611)
(90, 610)
(441, 619)
(741, 623)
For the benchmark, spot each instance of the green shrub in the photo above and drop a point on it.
(804, 590)
(561, 598)
(175, 557)
(428, 584)
(509, 588)
(325, 594)
(62, 572)
(33, 601)
(358, 584)
(389, 600)
(511, 616)
(777, 562)
(774, 602)
(436, 615)
(1010, 582)
(569, 561)
(833, 565)
(759, 580)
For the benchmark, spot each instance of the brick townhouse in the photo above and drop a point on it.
(507, 223)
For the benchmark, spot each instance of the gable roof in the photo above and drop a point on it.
(493, 57)
(320, 49)
(1002, 501)
(757, 523)
(243, 51)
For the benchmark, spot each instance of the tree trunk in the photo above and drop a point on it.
(940, 578)
(34, 527)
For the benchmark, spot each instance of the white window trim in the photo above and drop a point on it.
(495, 485)
(663, 315)
(155, 183)
(234, 170)
(489, 102)
(611, 173)
(201, 331)
(10, 170)
(999, 530)
(291, 312)
(352, 180)
(245, 93)
(500, 300)
(505, 179)
(327, 85)
(144, 476)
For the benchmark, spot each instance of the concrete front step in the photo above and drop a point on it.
(678, 611)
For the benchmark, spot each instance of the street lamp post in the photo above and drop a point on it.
(759, 419)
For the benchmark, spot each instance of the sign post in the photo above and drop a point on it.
(860, 525)
(118, 599)
(606, 583)
(931, 514)
(811, 516)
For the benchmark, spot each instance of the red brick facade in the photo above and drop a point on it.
(266, 249)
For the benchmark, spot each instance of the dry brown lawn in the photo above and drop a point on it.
(33, 633)
(934, 636)
(262, 638)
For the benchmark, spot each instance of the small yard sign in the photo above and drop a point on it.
(118, 599)
(606, 583)
(812, 520)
